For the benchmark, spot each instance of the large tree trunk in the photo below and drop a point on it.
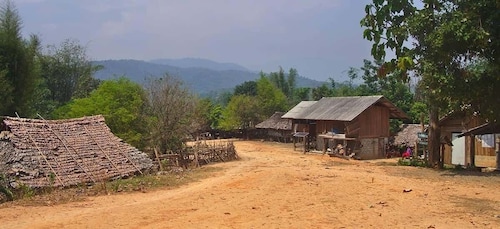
(434, 137)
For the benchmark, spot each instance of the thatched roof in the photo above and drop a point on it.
(41, 153)
(275, 122)
(342, 108)
(408, 134)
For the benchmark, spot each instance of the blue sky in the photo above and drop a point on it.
(320, 38)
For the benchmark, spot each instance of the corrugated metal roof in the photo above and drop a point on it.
(341, 108)
(298, 109)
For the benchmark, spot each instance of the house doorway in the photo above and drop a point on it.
(458, 149)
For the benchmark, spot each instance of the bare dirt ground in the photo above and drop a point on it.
(273, 186)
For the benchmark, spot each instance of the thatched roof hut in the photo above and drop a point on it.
(408, 135)
(41, 153)
(275, 122)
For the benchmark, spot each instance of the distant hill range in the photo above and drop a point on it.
(200, 75)
(200, 63)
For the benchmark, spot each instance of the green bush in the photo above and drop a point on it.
(412, 162)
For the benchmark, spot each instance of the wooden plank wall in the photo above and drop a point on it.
(374, 122)
(483, 151)
(323, 127)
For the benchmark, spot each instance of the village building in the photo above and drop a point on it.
(409, 135)
(51, 153)
(468, 147)
(359, 123)
(276, 128)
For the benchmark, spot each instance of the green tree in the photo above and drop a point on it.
(121, 102)
(68, 72)
(321, 91)
(18, 70)
(207, 116)
(284, 82)
(292, 82)
(270, 98)
(246, 88)
(240, 113)
(302, 94)
(389, 86)
(389, 25)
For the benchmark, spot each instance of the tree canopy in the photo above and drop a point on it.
(120, 101)
(439, 42)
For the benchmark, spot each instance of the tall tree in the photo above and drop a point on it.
(435, 42)
(270, 98)
(240, 113)
(17, 63)
(172, 107)
(68, 71)
(246, 88)
(321, 91)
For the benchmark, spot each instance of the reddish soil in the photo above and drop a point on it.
(273, 186)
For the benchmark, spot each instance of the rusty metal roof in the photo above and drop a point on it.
(341, 108)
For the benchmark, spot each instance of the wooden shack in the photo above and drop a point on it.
(43, 153)
(276, 128)
(360, 123)
(488, 134)
(470, 150)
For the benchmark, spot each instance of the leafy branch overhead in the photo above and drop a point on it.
(441, 42)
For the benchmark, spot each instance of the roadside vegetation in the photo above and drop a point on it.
(144, 183)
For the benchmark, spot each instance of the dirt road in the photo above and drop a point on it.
(274, 187)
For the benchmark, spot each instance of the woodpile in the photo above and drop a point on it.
(42, 153)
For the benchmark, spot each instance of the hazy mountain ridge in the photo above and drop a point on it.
(200, 80)
(199, 63)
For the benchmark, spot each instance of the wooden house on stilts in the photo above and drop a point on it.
(359, 123)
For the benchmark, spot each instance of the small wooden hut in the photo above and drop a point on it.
(43, 153)
(486, 139)
(277, 128)
(470, 149)
(360, 123)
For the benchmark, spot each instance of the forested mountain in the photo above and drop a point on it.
(199, 63)
(200, 80)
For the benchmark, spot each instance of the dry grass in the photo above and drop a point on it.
(143, 183)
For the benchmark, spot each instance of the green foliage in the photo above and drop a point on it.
(121, 101)
(246, 88)
(215, 116)
(412, 162)
(270, 99)
(286, 83)
(5, 189)
(18, 73)
(418, 112)
(302, 94)
(240, 113)
(321, 91)
(67, 72)
(446, 37)
(24, 191)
